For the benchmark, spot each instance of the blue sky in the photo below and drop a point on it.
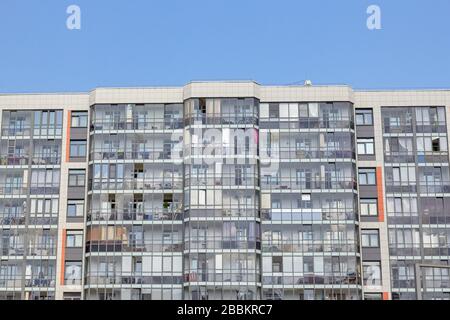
(171, 42)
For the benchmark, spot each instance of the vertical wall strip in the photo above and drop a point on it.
(69, 119)
(63, 254)
(380, 194)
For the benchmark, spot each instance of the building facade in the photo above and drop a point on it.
(225, 191)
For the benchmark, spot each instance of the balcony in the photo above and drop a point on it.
(307, 154)
(308, 123)
(312, 184)
(13, 190)
(310, 246)
(14, 160)
(221, 119)
(136, 124)
(226, 180)
(308, 214)
(149, 154)
(431, 127)
(135, 184)
(124, 246)
(135, 215)
(227, 243)
(46, 159)
(434, 187)
(44, 188)
(16, 132)
(249, 275)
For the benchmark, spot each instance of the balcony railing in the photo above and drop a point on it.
(150, 154)
(249, 275)
(136, 124)
(12, 220)
(322, 184)
(431, 127)
(309, 278)
(310, 153)
(13, 190)
(308, 123)
(136, 184)
(213, 119)
(221, 243)
(308, 214)
(224, 180)
(24, 131)
(38, 188)
(310, 246)
(435, 187)
(46, 159)
(13, 160)
(124, 246)
(129, 215)
(119, 278)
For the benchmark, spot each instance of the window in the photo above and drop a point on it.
(305, 201)
(369, 207)
(370, 238)
(364, 117)
(74, 239)
(72, 273)
(79, 119)
(367, 176)
(77, 178)
(372, 273)
(77, 148)
(75, 208)
(366, 146)
(274, 111)
(373, 296)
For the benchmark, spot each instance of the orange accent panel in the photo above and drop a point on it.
(63, 255)
(385, 295)
(380, 194)
(69, 123)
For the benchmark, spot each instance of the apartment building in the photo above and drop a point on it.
(225, 190)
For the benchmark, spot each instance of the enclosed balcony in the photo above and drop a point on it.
(226, 235)
(221, 267)
(305, 116)
(166, 238)
(135, 207)
(138, 117)
(136, 177)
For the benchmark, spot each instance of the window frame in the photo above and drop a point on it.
(77, 145)
(367, 174)
(365, 142)
(365, 112)
(75, 119)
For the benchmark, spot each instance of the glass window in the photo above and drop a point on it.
(74, 239)
(75, 208)
(370, 238)
(364, 117)
(366, 146)
(79, 119)
(372, 273)
(77, 148)
(367, 176)
(72, 273)
(77, 178)
(369, 207)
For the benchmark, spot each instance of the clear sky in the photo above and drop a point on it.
(171, 42)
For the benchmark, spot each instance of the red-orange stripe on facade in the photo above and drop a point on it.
(63, 256)
(380, 194)
(385, 295)
(69, 119)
